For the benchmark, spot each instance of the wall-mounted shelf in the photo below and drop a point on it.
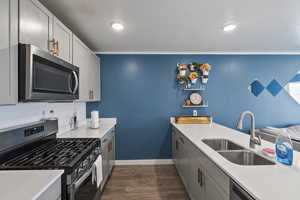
(196, 106)
(194, 89)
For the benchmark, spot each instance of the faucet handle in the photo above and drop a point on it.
(255, 140)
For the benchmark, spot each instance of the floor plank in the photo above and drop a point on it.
(159, 182)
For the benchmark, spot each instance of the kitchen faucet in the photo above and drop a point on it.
(253, 139)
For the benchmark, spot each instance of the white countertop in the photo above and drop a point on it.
(26, 185)
(262, 182)
(106, 124)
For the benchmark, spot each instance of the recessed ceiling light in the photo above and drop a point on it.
(229, 27)
(117, 26)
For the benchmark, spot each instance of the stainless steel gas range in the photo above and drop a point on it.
(35, 146)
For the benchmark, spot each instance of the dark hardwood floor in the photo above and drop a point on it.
(159, 182)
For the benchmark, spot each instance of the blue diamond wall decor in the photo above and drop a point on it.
(293, 87)
(274, 87)
(256, 88)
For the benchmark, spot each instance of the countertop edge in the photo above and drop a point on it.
(60, 173)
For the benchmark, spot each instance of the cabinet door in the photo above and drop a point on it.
(213, 191)
(95, 76)
(183, 158)
(105, 160)
(174, 146)
(81, 58)
(196, 184)
(111, 151)
(9, 51)
(179, 155)
(35, 24)
(63, 36)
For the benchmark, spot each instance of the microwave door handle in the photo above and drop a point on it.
(76, 82)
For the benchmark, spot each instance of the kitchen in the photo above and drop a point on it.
(149, 100)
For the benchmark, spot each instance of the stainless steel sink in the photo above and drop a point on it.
(236, 153)
(222, 144)
(244, 157)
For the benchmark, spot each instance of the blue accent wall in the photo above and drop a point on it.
(140, 90)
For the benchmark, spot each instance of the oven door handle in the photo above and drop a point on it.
(79, 182)
(76, 82)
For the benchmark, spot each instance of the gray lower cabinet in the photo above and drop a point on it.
(183, 158)
(212, 191)
(203, 180)
(174, 147)
(108, 154)
(9, 52)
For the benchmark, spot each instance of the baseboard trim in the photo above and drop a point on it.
(145, 162)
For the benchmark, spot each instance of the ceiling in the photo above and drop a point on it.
(189, 26)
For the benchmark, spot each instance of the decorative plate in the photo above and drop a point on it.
(196, 98)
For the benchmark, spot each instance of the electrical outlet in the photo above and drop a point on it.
(195, 113)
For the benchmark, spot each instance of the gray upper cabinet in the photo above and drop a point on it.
(62, 37)
(81, 60)
(35, 24)
(89, 74)
(29, 22)
(39, 27)
(96, 84)
(9, 52)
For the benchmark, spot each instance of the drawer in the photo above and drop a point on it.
(53, 192)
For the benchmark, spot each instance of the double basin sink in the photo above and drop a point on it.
(236, 153)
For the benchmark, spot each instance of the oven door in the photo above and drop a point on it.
(85, 188)
(45, 77)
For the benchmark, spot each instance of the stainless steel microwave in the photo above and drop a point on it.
(45, 77)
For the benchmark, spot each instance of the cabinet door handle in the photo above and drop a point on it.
(91, 94)
(54, 47)
(176, 145)
(200, 177)
(110, 147)
(57, 47)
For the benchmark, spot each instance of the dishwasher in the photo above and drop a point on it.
(238, 193)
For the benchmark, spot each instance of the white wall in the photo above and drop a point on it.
(30, 112)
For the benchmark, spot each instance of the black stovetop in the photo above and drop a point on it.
(51, 154)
